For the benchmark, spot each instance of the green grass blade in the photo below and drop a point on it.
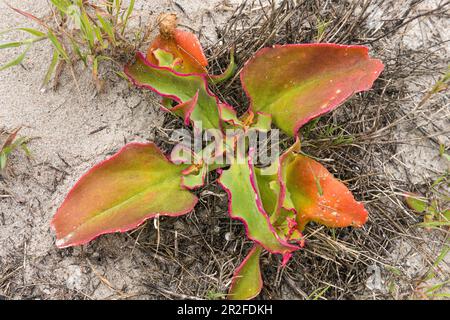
(109, 6)
(51, 68)
(117, 7)
(107, 28)
(17, 60)
(318, 293)
(11, 44)
(98, 35)
(58, 46)
(441, 295)
(432, 273)
(77, 50)
(122, 75)
(31, 31)
(127, 15)
(62, 5)
(3, 158)
(87, 29)
(20, 43)
(434, 224)
(26, 150)
(436, 287)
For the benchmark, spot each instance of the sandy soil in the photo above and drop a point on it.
(73, 131)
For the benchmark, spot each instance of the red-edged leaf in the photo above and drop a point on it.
(185, 109)
(244, 203)
(166, 59)
(228, 73)
(317, 196)
(194, 177)
(229, 116)
(182, 45)
(189, 44)
(296, 83)
(247, 281)
(276, 202)
(268, 188)
(176, 86)
(120, 193)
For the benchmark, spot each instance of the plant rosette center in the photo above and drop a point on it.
(274, 196)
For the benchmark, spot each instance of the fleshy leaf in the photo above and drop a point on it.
(183, 45)
(196, 179)
(287, 226)
(247, 280)
(227, 74)
(176, 86)
(277, 202)
(263, 121)
(120, 193)
(296, 83)
(267, 181)
(274, 194)
(166, 59)
(189, 44)
(317, 196)
(229, 115)
(185, 109)
(244, 203)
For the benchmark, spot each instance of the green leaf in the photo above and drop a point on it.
(296, 83)
(244, 203)
(176, 86)
(227, 74)
(263, 122)
(3, 158)
(165, 58)
(51, 68)
(98, 36)
(107, 27)
(31, 31)
(17, 60)
(77, 50)
(127, 15)
(120, 193)
(247, 281)
(416, 203)
(434, 224)
(16, 44)
(62, 5)
(58, 46)
(318, 293)
(87, 28)
(195, 180)
(268, 186)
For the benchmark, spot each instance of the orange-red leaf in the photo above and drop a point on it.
(317, 196)
(183, 45)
